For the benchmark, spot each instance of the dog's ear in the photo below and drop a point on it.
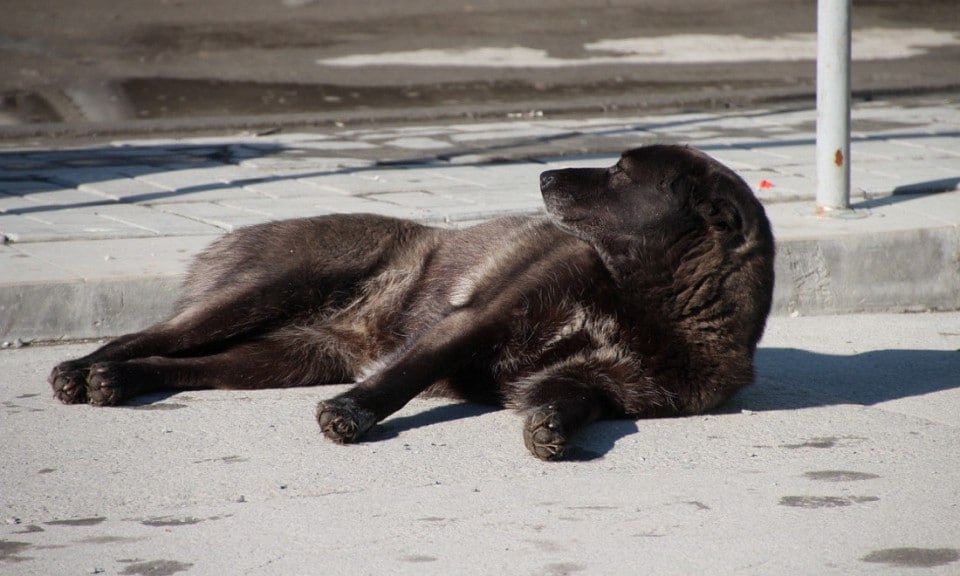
(726, 218)
(715, 204)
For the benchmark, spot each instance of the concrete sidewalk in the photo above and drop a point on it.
(843, 458)
(96, 238)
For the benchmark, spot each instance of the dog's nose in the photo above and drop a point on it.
(547, 179)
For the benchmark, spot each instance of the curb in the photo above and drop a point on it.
(900, 271)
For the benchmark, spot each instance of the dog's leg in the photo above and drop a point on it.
(205, 323)
(266, 363)
(559, 405)
(217, 321)
(548, 428)
(563, 398)
(433, 356)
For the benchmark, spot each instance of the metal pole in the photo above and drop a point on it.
(833, 106)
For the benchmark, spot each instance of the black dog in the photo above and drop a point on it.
(643, 294)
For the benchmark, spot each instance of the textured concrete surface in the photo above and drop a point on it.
(97, 237)
(843, 458)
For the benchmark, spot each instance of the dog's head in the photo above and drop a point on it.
(675, 228)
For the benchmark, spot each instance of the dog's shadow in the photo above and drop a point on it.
(590, 444)
(393, 427)
(787, 379)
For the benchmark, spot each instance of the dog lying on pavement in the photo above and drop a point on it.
(643, 293)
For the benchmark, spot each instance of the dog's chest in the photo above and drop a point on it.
(552, 332)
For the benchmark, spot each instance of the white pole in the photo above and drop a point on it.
(833, 106)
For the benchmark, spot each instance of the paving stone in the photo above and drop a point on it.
(195, 176)
(941, 145)
(654, 137)
(64, 225)
(127, 190)
(584, 161)
(869, 182)
(875, 150)
(774, 186)
(906, 171)
(308, 206)
(384, 180)
(399, 132)
(77, 176)
(775, 155)
(490, 126)
(491, 200)
(740, 158)
(147, 143)
(798, 221)
(15, 228)
(136, 146)
(157, 222)
(942, 207)
(332, 145)
(15, 204)
(751, 120)
(419, 199)
(521, 176)
(531, 132)
(55, 197)
(303, 163)
(290, 188)
(20, 267)
(290, 138)
(129, 257)
(222, 216)
(202, 193)
(418, 143)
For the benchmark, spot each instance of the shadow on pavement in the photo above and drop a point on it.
(590, 444)
(393, 427)
(788, 378)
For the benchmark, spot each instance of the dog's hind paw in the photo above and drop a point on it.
(544, 435)
(343, 420)
(69, 382)
(106, 384)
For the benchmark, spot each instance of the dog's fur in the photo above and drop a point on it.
(643, 294)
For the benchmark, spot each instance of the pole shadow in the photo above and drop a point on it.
(789, 379)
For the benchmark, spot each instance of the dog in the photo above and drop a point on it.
(642, 293)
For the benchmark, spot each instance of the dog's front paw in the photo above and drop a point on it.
(544, 435)
(343, 420)
(69, 382)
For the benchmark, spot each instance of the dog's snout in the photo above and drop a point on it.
(547, 179)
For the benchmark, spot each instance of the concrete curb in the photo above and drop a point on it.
(904, 271)
(91, 309)
(888, 271)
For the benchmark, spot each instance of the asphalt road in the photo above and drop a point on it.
(66, 63)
